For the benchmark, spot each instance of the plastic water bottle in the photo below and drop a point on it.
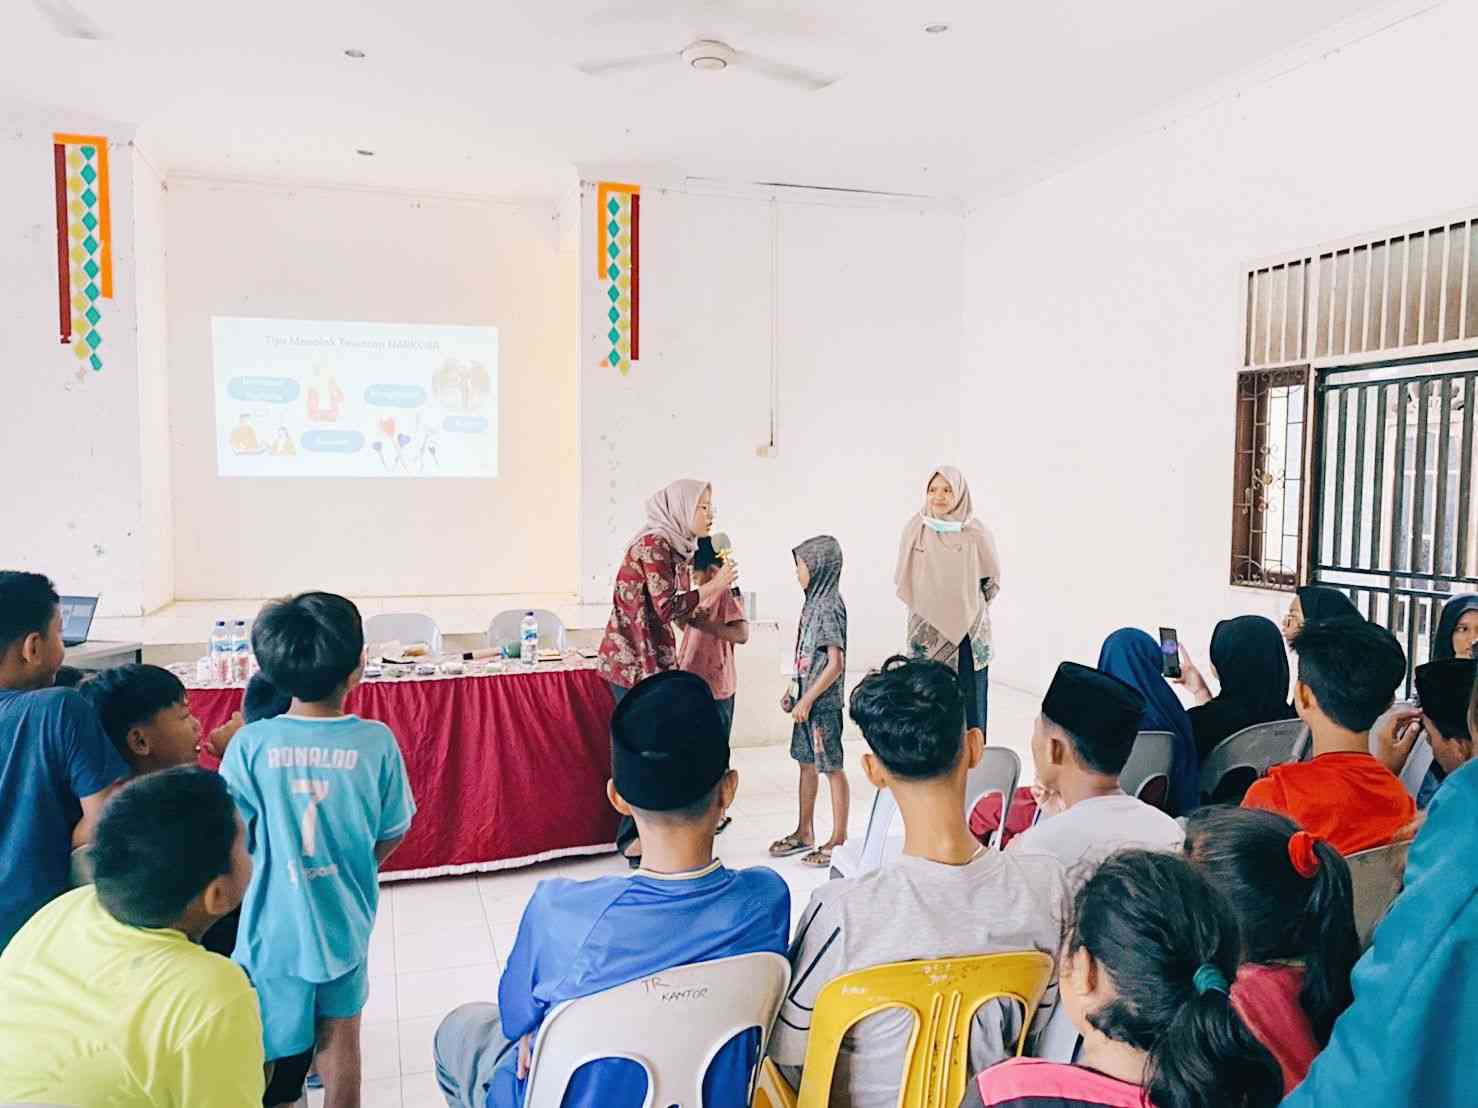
(220, 653)
(240, 653)
(528, 639)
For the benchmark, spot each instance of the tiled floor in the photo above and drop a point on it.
(440, 943)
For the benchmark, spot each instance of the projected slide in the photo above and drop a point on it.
(303, 398)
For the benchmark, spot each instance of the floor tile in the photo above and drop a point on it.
(436, 904)
(416, 1037)
(467, 944)
(420, 1090)
(380, 1048)
(437, 992)
(381, 1006)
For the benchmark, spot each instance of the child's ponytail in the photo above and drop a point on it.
(1169, 944)
(1291, 893)
(1207, 1057)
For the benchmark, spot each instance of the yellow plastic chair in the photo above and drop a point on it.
(943, 995)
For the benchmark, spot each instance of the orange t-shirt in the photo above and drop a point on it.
(1349, 800)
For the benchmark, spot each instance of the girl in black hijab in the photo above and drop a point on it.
(1316, 602)
(1248, 657)
(1455, 633)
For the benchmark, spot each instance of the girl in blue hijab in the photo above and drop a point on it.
(1134, 658)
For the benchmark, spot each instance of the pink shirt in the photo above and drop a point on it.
(709, 656)
(1267, 999)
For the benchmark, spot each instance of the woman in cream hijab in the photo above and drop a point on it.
(947, 575)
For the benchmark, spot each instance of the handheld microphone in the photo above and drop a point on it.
(723, 546)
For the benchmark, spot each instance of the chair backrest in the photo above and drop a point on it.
(1256, 749)
(998, 772)
(1152, 757)
(672, 1024)
(1375, 880)
(504, 628)
(943, 997)
(403, 627)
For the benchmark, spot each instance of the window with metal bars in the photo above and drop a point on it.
(1359, 369)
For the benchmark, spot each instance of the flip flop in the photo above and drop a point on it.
(818, 858)
(791, 844)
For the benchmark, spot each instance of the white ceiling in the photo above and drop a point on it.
(481, 96)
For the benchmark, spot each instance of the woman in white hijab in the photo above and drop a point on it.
(947, 575)
(653, 591)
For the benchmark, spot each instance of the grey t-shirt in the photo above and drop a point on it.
(912, 909)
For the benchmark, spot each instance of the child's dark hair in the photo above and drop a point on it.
(913, 717)
(127, 696)
(705, 556)
(1169, 944)
(1353, 668)
(1249, 855)
(70, 677)
(263, 700)
(161, 840)
(28, 601)
(309, 644)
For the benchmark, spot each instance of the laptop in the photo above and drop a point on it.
(77, 613)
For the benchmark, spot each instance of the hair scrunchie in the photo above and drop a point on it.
(1209, 979)
(1301, 854)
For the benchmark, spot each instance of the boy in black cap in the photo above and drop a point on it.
(1080, 743)
(670, 773)
(1445, 689)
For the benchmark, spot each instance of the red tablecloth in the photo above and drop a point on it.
(506, 770)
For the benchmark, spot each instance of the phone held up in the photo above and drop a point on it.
(1169, 652)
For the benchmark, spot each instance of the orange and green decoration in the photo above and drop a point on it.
(618, 264)
(84, 242)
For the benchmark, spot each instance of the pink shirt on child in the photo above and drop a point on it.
(709, 656)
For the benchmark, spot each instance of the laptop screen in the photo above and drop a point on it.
(77, 613)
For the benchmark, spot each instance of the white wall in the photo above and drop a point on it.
(1102, 329)
(344, 254)
(157, 523)
(72, 445)
(866, 303)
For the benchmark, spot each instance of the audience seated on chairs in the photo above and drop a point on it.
(1348, 671)
(1291, 895)
(1081, 741)
(1134, 658)
(106, 998)
(1248, 658)
(1409, 1037)
(670, 772)
(1445, 690)
(1150, 949)
(945, 896)
(54, 756)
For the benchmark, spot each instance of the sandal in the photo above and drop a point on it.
(791, 844)
(818, 858)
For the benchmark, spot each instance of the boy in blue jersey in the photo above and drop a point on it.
(670, 773)
(325, 800)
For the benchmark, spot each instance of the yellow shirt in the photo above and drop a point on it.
(98, 1014)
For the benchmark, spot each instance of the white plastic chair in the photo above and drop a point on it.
(1253, 750)
(1376, 876)
(505, 627)
(1150, 761)
(672, 1024)
(998, 772)
(403, 627)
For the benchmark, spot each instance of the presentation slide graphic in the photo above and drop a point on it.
(307, 398)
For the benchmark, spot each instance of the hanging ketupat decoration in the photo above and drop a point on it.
(84, 241)
(618, 264)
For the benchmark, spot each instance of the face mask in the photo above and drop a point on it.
(943, 526)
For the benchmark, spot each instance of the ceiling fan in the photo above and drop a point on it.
(711, 56)
(69, 20)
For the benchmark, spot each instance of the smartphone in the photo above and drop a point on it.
(1169, 652)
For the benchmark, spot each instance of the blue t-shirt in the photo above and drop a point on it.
(316, 795)
(582, 937)
(52, 752)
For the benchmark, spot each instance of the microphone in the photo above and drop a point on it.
(723, 546)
